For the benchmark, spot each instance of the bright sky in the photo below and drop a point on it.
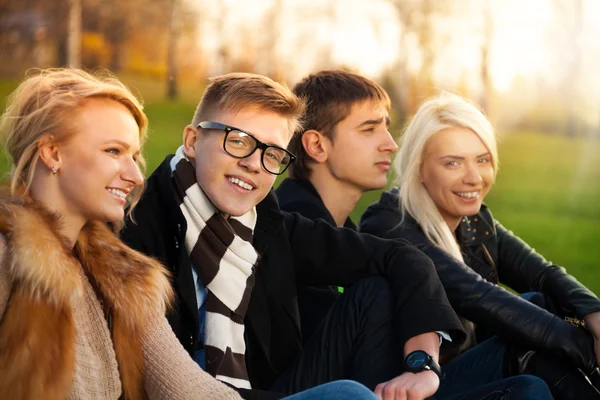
(529, 37)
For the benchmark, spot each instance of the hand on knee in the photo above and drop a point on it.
(409, 386)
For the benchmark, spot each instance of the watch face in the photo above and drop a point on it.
(416, 360)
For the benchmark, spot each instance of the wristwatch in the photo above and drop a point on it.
(419, 360)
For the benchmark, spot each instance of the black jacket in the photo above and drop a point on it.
(293, 251)
(493, 254)
(299, 195)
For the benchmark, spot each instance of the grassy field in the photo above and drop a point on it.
(548, 189)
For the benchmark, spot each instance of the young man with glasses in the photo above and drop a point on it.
(236, 261)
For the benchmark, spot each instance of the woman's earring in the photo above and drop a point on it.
(54, 170)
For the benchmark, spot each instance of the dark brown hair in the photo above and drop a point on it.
(329, 97)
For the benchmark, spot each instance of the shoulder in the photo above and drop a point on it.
(384, 217)
(157, 205)
(294, 191)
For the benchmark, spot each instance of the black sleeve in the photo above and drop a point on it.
(324, 255)
(521, 268)
(507, 315)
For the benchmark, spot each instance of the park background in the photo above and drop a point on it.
(530, 64)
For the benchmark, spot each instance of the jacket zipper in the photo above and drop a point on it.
(489, 256)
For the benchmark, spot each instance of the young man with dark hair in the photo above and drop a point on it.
(345, 150)
(236, 260)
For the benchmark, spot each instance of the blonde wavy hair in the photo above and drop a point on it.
(440, 112)
(45, 102)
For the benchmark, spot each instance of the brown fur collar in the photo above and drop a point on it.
(37, 332)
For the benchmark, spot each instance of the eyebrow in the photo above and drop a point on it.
(462, 158)
(375, 121)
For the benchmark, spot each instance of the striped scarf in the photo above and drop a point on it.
(221, 251)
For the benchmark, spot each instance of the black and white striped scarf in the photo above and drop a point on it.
(221, 251)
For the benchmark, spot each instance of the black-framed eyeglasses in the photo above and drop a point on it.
(240, 144)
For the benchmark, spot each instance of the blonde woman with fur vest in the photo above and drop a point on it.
(81, 314)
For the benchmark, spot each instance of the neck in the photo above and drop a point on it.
(339, 197)
(453, 224)
(47, 194)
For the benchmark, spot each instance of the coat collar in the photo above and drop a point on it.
(476, 229)
(472, 230)
(302, 190)
(48, 278)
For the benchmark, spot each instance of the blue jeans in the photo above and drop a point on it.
(476, 367)
(514, 388)
(525, 387)
(337, 390)
(482, 368)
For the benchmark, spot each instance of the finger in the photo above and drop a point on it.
(379, 390)
(389, 393)
(413, 394)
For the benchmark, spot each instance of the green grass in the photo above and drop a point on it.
(547, 192)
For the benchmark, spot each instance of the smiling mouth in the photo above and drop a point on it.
(241, 183)
(118, 193)
(467, 195)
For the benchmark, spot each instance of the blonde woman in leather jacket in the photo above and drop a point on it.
(446, 165)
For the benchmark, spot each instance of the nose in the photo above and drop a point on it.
(388, 144)
(472, 175)
(252, 163)
(132, 173)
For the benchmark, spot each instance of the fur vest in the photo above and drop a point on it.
(38, 331)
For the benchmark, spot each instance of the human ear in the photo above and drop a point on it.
(48, 151)
(314, 145)
(190, 137)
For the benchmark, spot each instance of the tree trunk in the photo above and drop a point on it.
(172, 89)
(74, 34)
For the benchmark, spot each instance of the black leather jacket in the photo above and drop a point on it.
(493, 254)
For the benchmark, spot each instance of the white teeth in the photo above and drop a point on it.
(468, 195)
(240, 183)
(118, 192)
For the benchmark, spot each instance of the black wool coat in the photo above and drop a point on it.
(293, 251)
(494, 255)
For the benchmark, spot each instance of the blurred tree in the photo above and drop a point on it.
(270, 60)
(571, 13)
(172, 91)
(486, 44)
(32, 33)
(419, 21)
(74, 34)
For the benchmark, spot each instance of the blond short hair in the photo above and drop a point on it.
(435, 114)
(45, 103)
(238, 91)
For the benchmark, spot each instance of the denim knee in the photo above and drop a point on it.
(337, 390)
(529, 387)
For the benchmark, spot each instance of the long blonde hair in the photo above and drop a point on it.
(440, 112)
(45, 103)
